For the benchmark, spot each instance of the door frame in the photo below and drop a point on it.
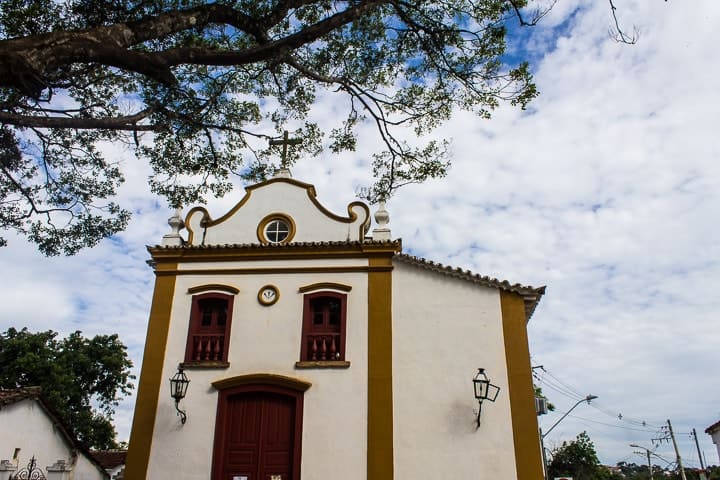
(258, 383)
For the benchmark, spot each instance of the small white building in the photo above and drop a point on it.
(35, 438)
(714, 432)
(316, 351)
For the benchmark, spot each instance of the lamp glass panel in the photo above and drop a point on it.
(492, 392)
(481, 387)
(481, 383)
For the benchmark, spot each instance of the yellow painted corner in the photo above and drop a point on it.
(526, 437)
(380, 456)
(138, 456)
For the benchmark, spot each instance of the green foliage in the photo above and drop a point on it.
(579, 460)
(539, 394)
(197, 89)
(81, 378)
(632, 471)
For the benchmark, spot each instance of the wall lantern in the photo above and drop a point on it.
(484, 390)
(178, 388)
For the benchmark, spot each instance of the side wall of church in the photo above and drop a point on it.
(444, 329)
(267, 339)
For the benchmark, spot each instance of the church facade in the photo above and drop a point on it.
(315, 350)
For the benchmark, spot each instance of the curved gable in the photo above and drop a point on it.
(294, 200)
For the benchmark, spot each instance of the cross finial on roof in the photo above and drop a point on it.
(285, 141)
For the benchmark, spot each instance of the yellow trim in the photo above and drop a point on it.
(260, 232)
(264, 378)
(380, 400)
(274, 300)
(138, 456)
(325, 286)
(270, 270)
(528, 460)
(307, 186)
(207, 221)
(214, 287)
(203, 222)
(365, 226)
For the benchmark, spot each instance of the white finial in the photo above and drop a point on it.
(282, 172)
(382, 218)
(176, 223)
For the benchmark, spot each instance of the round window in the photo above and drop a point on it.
(277, 231)
(276, 228)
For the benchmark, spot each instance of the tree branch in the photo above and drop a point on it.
(127, 123)
(618, 34)
(26, 62)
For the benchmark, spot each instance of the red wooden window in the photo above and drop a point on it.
(324, 327)
(209, 332)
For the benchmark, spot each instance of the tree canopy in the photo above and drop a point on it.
(197, 88)
(75, 374)
(578, 459)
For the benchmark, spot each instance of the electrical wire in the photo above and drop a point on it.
(619, 416)
(565, 389)
(552, 382)
(555, 384)
(611, 425)
(571, 389)
(557, 388)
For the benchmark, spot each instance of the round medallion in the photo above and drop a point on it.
(268, 295)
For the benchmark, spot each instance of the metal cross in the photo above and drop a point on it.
(285, 141)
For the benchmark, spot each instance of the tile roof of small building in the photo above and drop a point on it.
(712, 428)
(110, 459)
(8, 397)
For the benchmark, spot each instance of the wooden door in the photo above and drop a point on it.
(256, 435)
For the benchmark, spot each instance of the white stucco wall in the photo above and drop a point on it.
(444, 329)
(716, 440)
(85, 470)
(267, 340)
(25, 425)
(312, 224)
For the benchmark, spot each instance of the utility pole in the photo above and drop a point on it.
(677, 452)
(544, 455)
(702, 464)
(647, 451)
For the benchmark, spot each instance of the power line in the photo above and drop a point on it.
(571, 389)
(622, 418)
(555, 384)
(557, 388)
(565, 389)
(613, 426)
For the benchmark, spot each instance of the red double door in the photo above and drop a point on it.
(257, 437)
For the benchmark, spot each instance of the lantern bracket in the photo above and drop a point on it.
(178, 388)
(484, 390)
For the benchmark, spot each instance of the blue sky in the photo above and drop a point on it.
(607, 193)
